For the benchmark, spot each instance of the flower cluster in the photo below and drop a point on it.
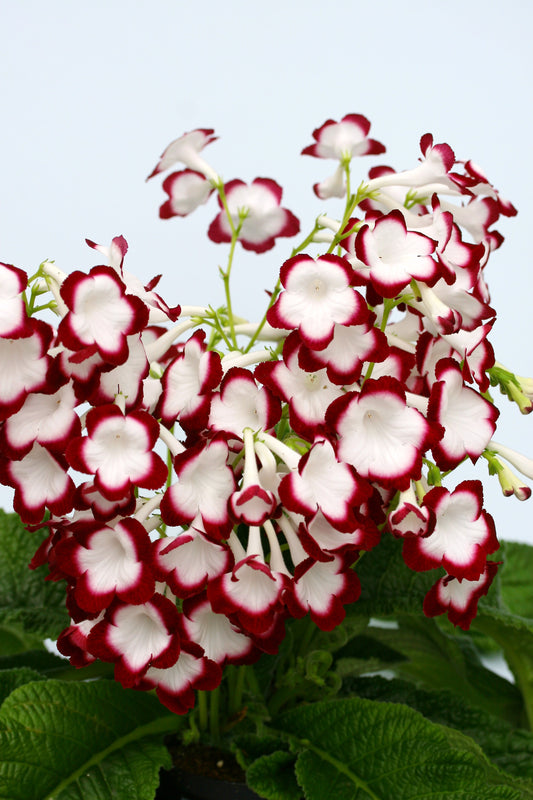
(199, 489)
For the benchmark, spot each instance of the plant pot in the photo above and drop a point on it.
(202, 773)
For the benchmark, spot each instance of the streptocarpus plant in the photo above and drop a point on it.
(235, 474)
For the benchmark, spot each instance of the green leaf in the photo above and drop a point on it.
(14, 639)
(41, 660)
(516, 579)
(510, 749)
(507, 617)
(439, 660)
(388, 586)
(82, 741)
(53, 666)
(247, 747)
(272, 776)
(364, 654)
(357, 749)
(132, 773)
(515, 636)
(340, 636)
(10, 679)
(28, 603)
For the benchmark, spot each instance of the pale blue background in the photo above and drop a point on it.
(90, 94)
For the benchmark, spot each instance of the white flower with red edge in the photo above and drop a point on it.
(108, 561)
(126, 379)
(187, 190)
(462, 537)
(118, 451)
(395, 255)
(468, 420)
(84, 371)
(476, 217)
(344, 140)
(380, 435)
(347, 352)
(251, 593)
(434, 169)
(257, 207)
(136, 637)
(24, 365)
(102, 508)
(241, 404)
(323, 588)
(176, 685)
(324, 483)
(13, 319)
(459, 597)
(115, 254)
(185, 150)
(49, 419)
(187, 562)
(222, 640)
(308, 393)
(321, 540)
(317, 294)
(72, 642)
(408, 518)
(101, 315)
(205, 483)
(40, 480)
(252, 504)
(187, 384)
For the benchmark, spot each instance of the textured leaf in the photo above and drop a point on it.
(10, 679)
(516, 579)
(364, 654)
(510, 749)
(357, 749)
(508, 618)
(248, 747)
(81, 741)
(388, 586)
(438, 660)
(14, 639)
(515, 636)
(132, 773)
(53, 666)
(273, 777)
(27, 601)
(42, 661)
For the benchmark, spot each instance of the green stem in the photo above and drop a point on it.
(230, 676)
(309, 632)
(203, 714)
(308, 240)
(250, 678)
(236, 700)
(225, 279)
(279, 698)
(235, 231)
(388, 305)
(214, 714)
(351, 202)
(273, 298)
(218, 331)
